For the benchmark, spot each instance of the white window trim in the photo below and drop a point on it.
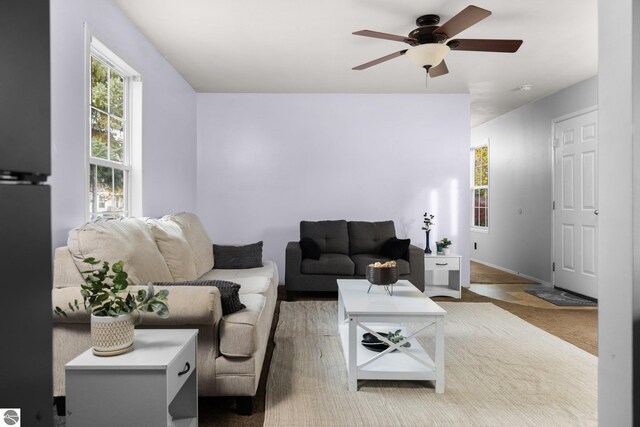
(133, 128)
(474, 146)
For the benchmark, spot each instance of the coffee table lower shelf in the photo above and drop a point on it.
(391, 366)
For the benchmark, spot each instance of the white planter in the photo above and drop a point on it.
(446, 251)
(112, 335)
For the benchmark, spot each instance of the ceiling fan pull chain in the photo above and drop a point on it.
(426, 76)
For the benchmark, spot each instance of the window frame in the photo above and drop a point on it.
(472, 164)
(132, 126)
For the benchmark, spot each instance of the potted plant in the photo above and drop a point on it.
(112, 306)
(443, 246)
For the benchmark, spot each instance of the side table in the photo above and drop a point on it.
(450, 263)
(156, 384)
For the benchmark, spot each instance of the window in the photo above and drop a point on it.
(111, 134)
(480, 186)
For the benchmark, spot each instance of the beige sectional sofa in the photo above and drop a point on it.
(174, 248)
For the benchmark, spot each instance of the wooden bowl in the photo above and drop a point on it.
(382, 275)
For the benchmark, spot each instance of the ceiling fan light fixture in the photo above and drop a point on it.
(430, 54)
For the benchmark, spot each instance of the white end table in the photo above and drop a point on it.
(449, 263)
(144, 387)
(377, 311)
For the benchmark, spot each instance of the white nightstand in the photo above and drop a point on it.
(449, 263)
(144, 387)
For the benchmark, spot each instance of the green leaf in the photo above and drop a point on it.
(150, 293)
(120, 278)
(156, 305)
(118, 267)
(91, 261)
(59, 312)
(160, 309)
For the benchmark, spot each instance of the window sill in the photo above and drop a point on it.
(484, 230)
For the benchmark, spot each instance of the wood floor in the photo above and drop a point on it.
(509, 287)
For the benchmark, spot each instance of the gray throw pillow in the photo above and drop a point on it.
(228, 257)
(229, 292)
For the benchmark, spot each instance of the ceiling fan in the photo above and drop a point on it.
(429, 43)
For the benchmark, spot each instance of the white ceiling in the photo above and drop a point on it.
(306, 46)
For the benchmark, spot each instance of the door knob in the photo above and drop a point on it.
(596, 212)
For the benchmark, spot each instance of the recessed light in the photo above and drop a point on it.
(525, 88)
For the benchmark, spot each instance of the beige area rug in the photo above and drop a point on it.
(500, 371)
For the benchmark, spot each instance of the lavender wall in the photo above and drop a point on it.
(267, 161)
(169, 114)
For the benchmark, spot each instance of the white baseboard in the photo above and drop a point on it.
(542, 282)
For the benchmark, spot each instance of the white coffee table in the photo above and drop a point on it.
(360, 312)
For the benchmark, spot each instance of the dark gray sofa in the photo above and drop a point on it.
(346, 249)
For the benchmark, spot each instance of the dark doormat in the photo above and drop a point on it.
(561, 298)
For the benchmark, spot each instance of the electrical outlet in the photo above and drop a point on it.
(475, 245)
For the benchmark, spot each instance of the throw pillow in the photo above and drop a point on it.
(395, 248)
(229, 292)
(310, 248)
(238, 257)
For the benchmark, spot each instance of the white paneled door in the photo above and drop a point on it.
(575, 225)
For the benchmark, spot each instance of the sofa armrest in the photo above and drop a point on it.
(188, 305)
(293, 258)
(416, 264)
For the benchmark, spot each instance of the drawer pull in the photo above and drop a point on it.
(186, 369)
(442, 263)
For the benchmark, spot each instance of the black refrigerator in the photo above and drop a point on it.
(25, 212)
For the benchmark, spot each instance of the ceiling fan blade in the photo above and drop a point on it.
(379, 60)
(467, 17)
(485, 45)
(379, 35)
(438, 70)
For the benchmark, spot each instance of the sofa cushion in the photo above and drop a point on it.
(361, 262)
(229, 292)
(129, 240)
(238, 256)
(395, 248)
(198, 239)
(258, 284)
(268, 270)
(331, 236)
(238, 331)
(328, 264)
(174, 248)
(368, 237)
(309, 248)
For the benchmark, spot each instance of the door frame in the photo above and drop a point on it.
(554, 123)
